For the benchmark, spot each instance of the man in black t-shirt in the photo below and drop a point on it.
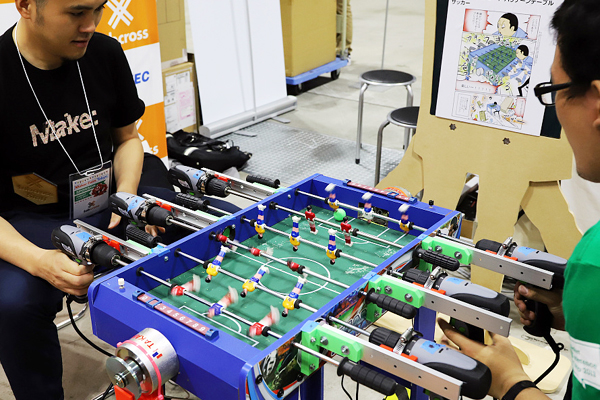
(67, 102)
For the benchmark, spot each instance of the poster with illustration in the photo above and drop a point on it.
(492, 59)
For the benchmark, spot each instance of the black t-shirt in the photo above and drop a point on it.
(28, 145)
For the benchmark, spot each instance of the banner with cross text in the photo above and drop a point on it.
(134, 24)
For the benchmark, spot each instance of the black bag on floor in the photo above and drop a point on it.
(195, 150)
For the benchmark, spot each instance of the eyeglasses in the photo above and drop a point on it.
(546, 92)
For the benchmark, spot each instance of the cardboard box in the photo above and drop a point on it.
(181, 100)
(309, 29)
(171, 32)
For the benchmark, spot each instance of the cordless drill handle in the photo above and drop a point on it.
(391, 304)
(366, 376)
(542, 323)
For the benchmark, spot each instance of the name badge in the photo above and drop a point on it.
(90, 191)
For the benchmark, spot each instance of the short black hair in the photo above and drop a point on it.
(576, 24)
(524, 49)
(512, 18)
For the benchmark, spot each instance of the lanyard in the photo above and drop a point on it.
(91, 170)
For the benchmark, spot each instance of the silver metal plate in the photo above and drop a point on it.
(186, 215)
(130, 251)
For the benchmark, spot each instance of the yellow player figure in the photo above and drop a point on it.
(251, 283)
(214, 267)
(403, 222)
(333, 203)
(290, 300)
(260, 221)
(331, 248)
(295, 235)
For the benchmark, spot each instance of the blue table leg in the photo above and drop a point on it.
(312, 387)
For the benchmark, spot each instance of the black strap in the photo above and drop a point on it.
(517, 388)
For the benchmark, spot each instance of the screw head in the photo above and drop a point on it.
(312, 367)
(388, 290)
(313, 340)
(408, 297)
(376, 314)
(378, 290)
(324, 340)
(166, 258)
(345, 350)
(438, 249)
(458, 255)
(120, 381)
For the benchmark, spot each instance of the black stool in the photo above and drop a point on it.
(405, 117)
(381, 77)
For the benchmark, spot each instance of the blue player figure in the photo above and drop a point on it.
(403, 222)
(230, 298)
(331, 248)
(260, 221)
(333, 203)
(367, 208)
(295, 235)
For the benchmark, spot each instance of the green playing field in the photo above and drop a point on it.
(281, 279)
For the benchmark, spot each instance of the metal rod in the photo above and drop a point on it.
(453, 239)
(186, 226)
(244, 195)
(387, 6)
(350, 326)
(416, 227)
(317, 354)
(280, 261)
(375, 238)
(211, 208)
(120, 262)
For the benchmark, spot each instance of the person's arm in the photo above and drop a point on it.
(50, 265)
(501, 359)
(128, 161)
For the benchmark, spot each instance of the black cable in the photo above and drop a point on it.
(357, 387)
(106, 392)
(556, 348)
(344, 389)
(88, 341)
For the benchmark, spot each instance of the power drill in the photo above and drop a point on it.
(543, 317)
(140, 210)
(476, 376)
(194, 181)
(84, 248)
(462, 290)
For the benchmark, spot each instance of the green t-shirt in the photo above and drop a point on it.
(581, 306)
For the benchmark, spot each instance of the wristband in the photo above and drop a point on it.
(517, 388)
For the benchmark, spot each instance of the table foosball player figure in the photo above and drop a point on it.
(367, 208)
(192, 286)
(346, 227)
(230, 298)
(292, 301)
(251, 283)
(295, 235)
(259, 328)
(214, 267)
(260, 221)
(310, 217)
(404, 222)
(333, 203)
(331, 248)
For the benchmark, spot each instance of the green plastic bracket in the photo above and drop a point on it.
(395, 288)
(449, 248)
(317, 337)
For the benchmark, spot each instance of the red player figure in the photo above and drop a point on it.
(345, 226)
(310, 217)
(272, 318)
(191, 286)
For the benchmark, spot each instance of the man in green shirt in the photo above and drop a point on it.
(575, 91)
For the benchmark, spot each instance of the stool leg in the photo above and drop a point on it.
(361, 97)
(379, 146)
(409, 96)
(408, 134)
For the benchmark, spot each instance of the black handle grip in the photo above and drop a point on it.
(368, 377)
(437, 259)
(191, 202)
(542, 323)
(471, 331)
(141, 237)
(391, 304)
(217, 187)
(274, 183)
(486, 244)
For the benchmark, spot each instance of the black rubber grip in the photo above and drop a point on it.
(158, 216)
(102, 254)
(542, 323)
(415, 275)
(383, 336)
(191, 202)
(141, 237)
(274, 183)
(366, 376)
(486, 244)
(217, 187)
(437, 259)
(391, 304)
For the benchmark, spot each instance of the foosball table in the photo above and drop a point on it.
(253, 304)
